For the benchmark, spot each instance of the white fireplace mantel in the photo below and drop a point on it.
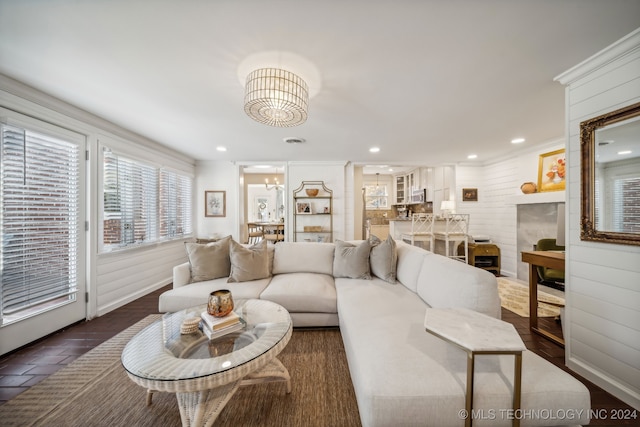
(546, 197)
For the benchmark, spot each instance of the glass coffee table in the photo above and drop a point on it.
(205, 373)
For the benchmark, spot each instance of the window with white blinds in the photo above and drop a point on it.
(40, 205)
(142, 203)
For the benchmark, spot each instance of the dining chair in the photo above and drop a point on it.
(275, 233)
(421, 230)
(255, 233)
(456, 230)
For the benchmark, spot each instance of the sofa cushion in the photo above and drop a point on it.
(248, 263)
(444, 282)
(302, 292)
(209, 261)
(303, 257)
(195, 294)
(383, 258)
(409, 264)
(352, 260)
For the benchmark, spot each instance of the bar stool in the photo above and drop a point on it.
(421, 230)
(456, 230)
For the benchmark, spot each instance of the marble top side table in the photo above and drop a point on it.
(478, 334)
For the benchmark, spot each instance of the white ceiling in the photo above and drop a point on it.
(429, 82)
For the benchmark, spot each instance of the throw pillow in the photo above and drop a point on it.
(250, 263)
(352, 261)
(209, 261)
(384, 258)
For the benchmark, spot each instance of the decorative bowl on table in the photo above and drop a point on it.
(312, 192)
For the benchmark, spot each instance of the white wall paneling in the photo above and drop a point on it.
(602, 280)
(218, 176)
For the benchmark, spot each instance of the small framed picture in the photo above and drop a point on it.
(303, 208)
(469, 194)
(215, 204)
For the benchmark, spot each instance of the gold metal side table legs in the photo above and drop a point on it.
(517, 384)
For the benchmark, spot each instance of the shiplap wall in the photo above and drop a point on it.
(125, 276)
(492, 215)
(603, 280)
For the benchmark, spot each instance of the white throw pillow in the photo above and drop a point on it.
(352, 261)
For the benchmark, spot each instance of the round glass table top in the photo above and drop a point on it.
(161, 353)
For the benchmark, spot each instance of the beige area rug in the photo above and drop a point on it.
(95, 391)
(514, 297)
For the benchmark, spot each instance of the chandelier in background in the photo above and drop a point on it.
(276, 97)
(276, 185)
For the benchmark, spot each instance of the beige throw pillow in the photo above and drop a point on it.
(352, 261)
(250, 263)
(384, 258)
(209, 261)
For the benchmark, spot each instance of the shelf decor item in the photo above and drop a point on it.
(312, 192)
(528, 188)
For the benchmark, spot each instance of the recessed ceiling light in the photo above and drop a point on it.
(374, 150)
(472, 156)
(517, 140)
(622, 153)
(221, 148)
(390, 170)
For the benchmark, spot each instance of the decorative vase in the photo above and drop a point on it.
(220, 303)
(528, 188)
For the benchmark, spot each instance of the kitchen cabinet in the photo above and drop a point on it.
(404, 186)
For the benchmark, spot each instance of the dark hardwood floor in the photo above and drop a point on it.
(29, 365)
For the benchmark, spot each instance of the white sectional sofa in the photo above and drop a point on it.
(402, 375)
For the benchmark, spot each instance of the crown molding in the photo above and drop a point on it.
(620, 48)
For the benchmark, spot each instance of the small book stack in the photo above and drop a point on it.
(215, 327)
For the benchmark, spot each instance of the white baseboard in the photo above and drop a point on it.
(102, 310)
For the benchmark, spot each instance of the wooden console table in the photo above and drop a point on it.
(549, 259)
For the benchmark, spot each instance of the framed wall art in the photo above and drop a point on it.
(215, 203)
(552, 170)
(469, 194)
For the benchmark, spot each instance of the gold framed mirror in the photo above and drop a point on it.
(610, 177)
